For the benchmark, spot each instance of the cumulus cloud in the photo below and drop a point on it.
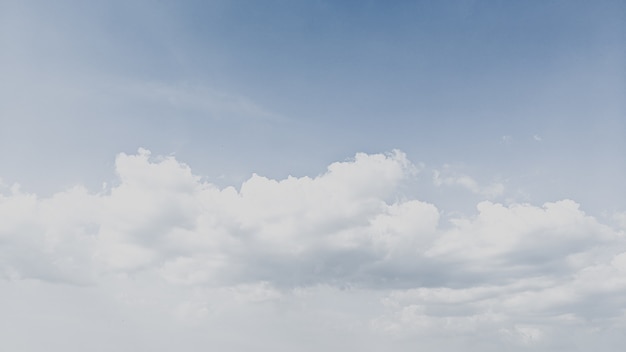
(160, 215)
(516, 272)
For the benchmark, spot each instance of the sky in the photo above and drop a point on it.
(307, 175)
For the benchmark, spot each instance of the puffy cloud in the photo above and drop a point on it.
(161, 216)
(515, 273)
(524, 237)
(49, 238)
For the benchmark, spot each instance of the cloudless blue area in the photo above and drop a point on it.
(527, 91)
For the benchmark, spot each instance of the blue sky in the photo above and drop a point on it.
(517, 104)
(297, 85)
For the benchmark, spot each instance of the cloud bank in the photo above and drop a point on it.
(520, 274)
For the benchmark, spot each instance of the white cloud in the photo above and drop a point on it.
(522, 233)
(162, 216)
(518, 273)
(446, 177)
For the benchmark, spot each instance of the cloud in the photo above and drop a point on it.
(522, 233)
(519, 273)
(162, 216)
(620, 218)
(447, 177)
(197, 99)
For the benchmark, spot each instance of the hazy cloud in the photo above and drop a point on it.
(447, 177)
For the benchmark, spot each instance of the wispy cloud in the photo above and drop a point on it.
(198, 99)
(447, 177)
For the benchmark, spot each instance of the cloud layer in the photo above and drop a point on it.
(523, 273)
